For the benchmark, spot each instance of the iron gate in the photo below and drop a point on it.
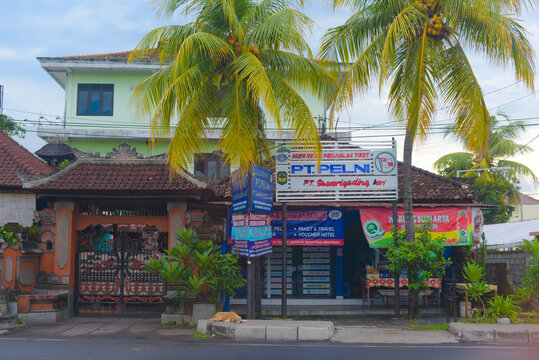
(110, 270)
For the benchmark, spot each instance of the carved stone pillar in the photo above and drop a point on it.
(176, 220)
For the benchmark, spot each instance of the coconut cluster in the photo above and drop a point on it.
(433, 8)
(238, 48)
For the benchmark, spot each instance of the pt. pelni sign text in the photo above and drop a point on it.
(347, 172)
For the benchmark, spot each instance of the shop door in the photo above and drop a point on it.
(110, 270)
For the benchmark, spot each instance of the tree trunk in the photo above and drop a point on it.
(407, 196)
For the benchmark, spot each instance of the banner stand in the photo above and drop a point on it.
(284, 269)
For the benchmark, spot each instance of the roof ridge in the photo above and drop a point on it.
(110, 162)
(90, 55)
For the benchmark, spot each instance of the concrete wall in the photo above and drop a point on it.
(530, 212)
(517, 260)
(17, 208)
(122, 118)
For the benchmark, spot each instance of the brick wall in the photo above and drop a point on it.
(517, 261)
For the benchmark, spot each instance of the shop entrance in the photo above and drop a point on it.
(357, 254)
(110, 270)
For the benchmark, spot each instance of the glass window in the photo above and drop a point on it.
(225, 169)
(82, 100)
(95, 99)
(200, 169)
(211, 167)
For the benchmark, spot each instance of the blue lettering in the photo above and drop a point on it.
(309, 169)
(335, 169)
(296, 168)
(366, 169)
(324, 168)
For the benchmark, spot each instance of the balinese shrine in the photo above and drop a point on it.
(99, 220)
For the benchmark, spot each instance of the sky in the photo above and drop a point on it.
(45, 28)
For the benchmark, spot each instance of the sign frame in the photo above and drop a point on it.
(347, 172)
(254, 192)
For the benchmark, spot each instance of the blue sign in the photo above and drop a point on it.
(311, 227)
(240, 193)
(251, 234)
(261, 190)
(253, 192)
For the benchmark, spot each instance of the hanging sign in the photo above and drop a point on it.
(317, 227)
(454, 224)
(253, 192)
(251, 234)
(346, 173)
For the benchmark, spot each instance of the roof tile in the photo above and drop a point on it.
(15, 160)
(117, 176)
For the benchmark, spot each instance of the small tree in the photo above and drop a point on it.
(10, 127)
(193, 265)
(422, 258)
(528, 294)
(474, 274)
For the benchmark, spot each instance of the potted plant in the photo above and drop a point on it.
(6, 238)
(476, 286)
(503, 310)
(199, 272)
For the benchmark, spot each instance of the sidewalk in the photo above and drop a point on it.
(105, 327)
(369, 329)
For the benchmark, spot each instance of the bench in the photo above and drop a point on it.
(386, 294)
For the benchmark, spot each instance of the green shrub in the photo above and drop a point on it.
(503, 307)
(528, 294)
(475, 283)
(193, 264)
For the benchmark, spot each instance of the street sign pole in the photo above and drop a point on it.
(250, 289)
(284, 265)
(397, 288)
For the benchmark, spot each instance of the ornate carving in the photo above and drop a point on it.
(124, 151)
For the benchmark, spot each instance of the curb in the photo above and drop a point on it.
(495, 333)
(276, 330)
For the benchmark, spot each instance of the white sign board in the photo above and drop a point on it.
(347, 172)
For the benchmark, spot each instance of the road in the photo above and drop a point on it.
(19, 348)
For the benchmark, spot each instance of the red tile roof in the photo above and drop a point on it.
(119, 176)
(15, 160)
(427, 188)
(121, 56)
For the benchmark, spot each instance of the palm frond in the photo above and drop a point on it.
(250, 70)
(461, 91)
(283, 30)
(449, 164)
(162, 42)
(493, 32)
(518, 169)
(296, 113)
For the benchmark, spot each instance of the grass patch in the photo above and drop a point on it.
(200, 335)
(429, 327)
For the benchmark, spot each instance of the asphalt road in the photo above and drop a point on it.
(18, 348)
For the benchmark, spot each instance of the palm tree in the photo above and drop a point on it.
(501, 145)
(417, 46)
(238, 65)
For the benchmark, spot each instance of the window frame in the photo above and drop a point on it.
(92, 87)
(206, 158)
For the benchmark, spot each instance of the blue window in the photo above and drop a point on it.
(95, 99)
